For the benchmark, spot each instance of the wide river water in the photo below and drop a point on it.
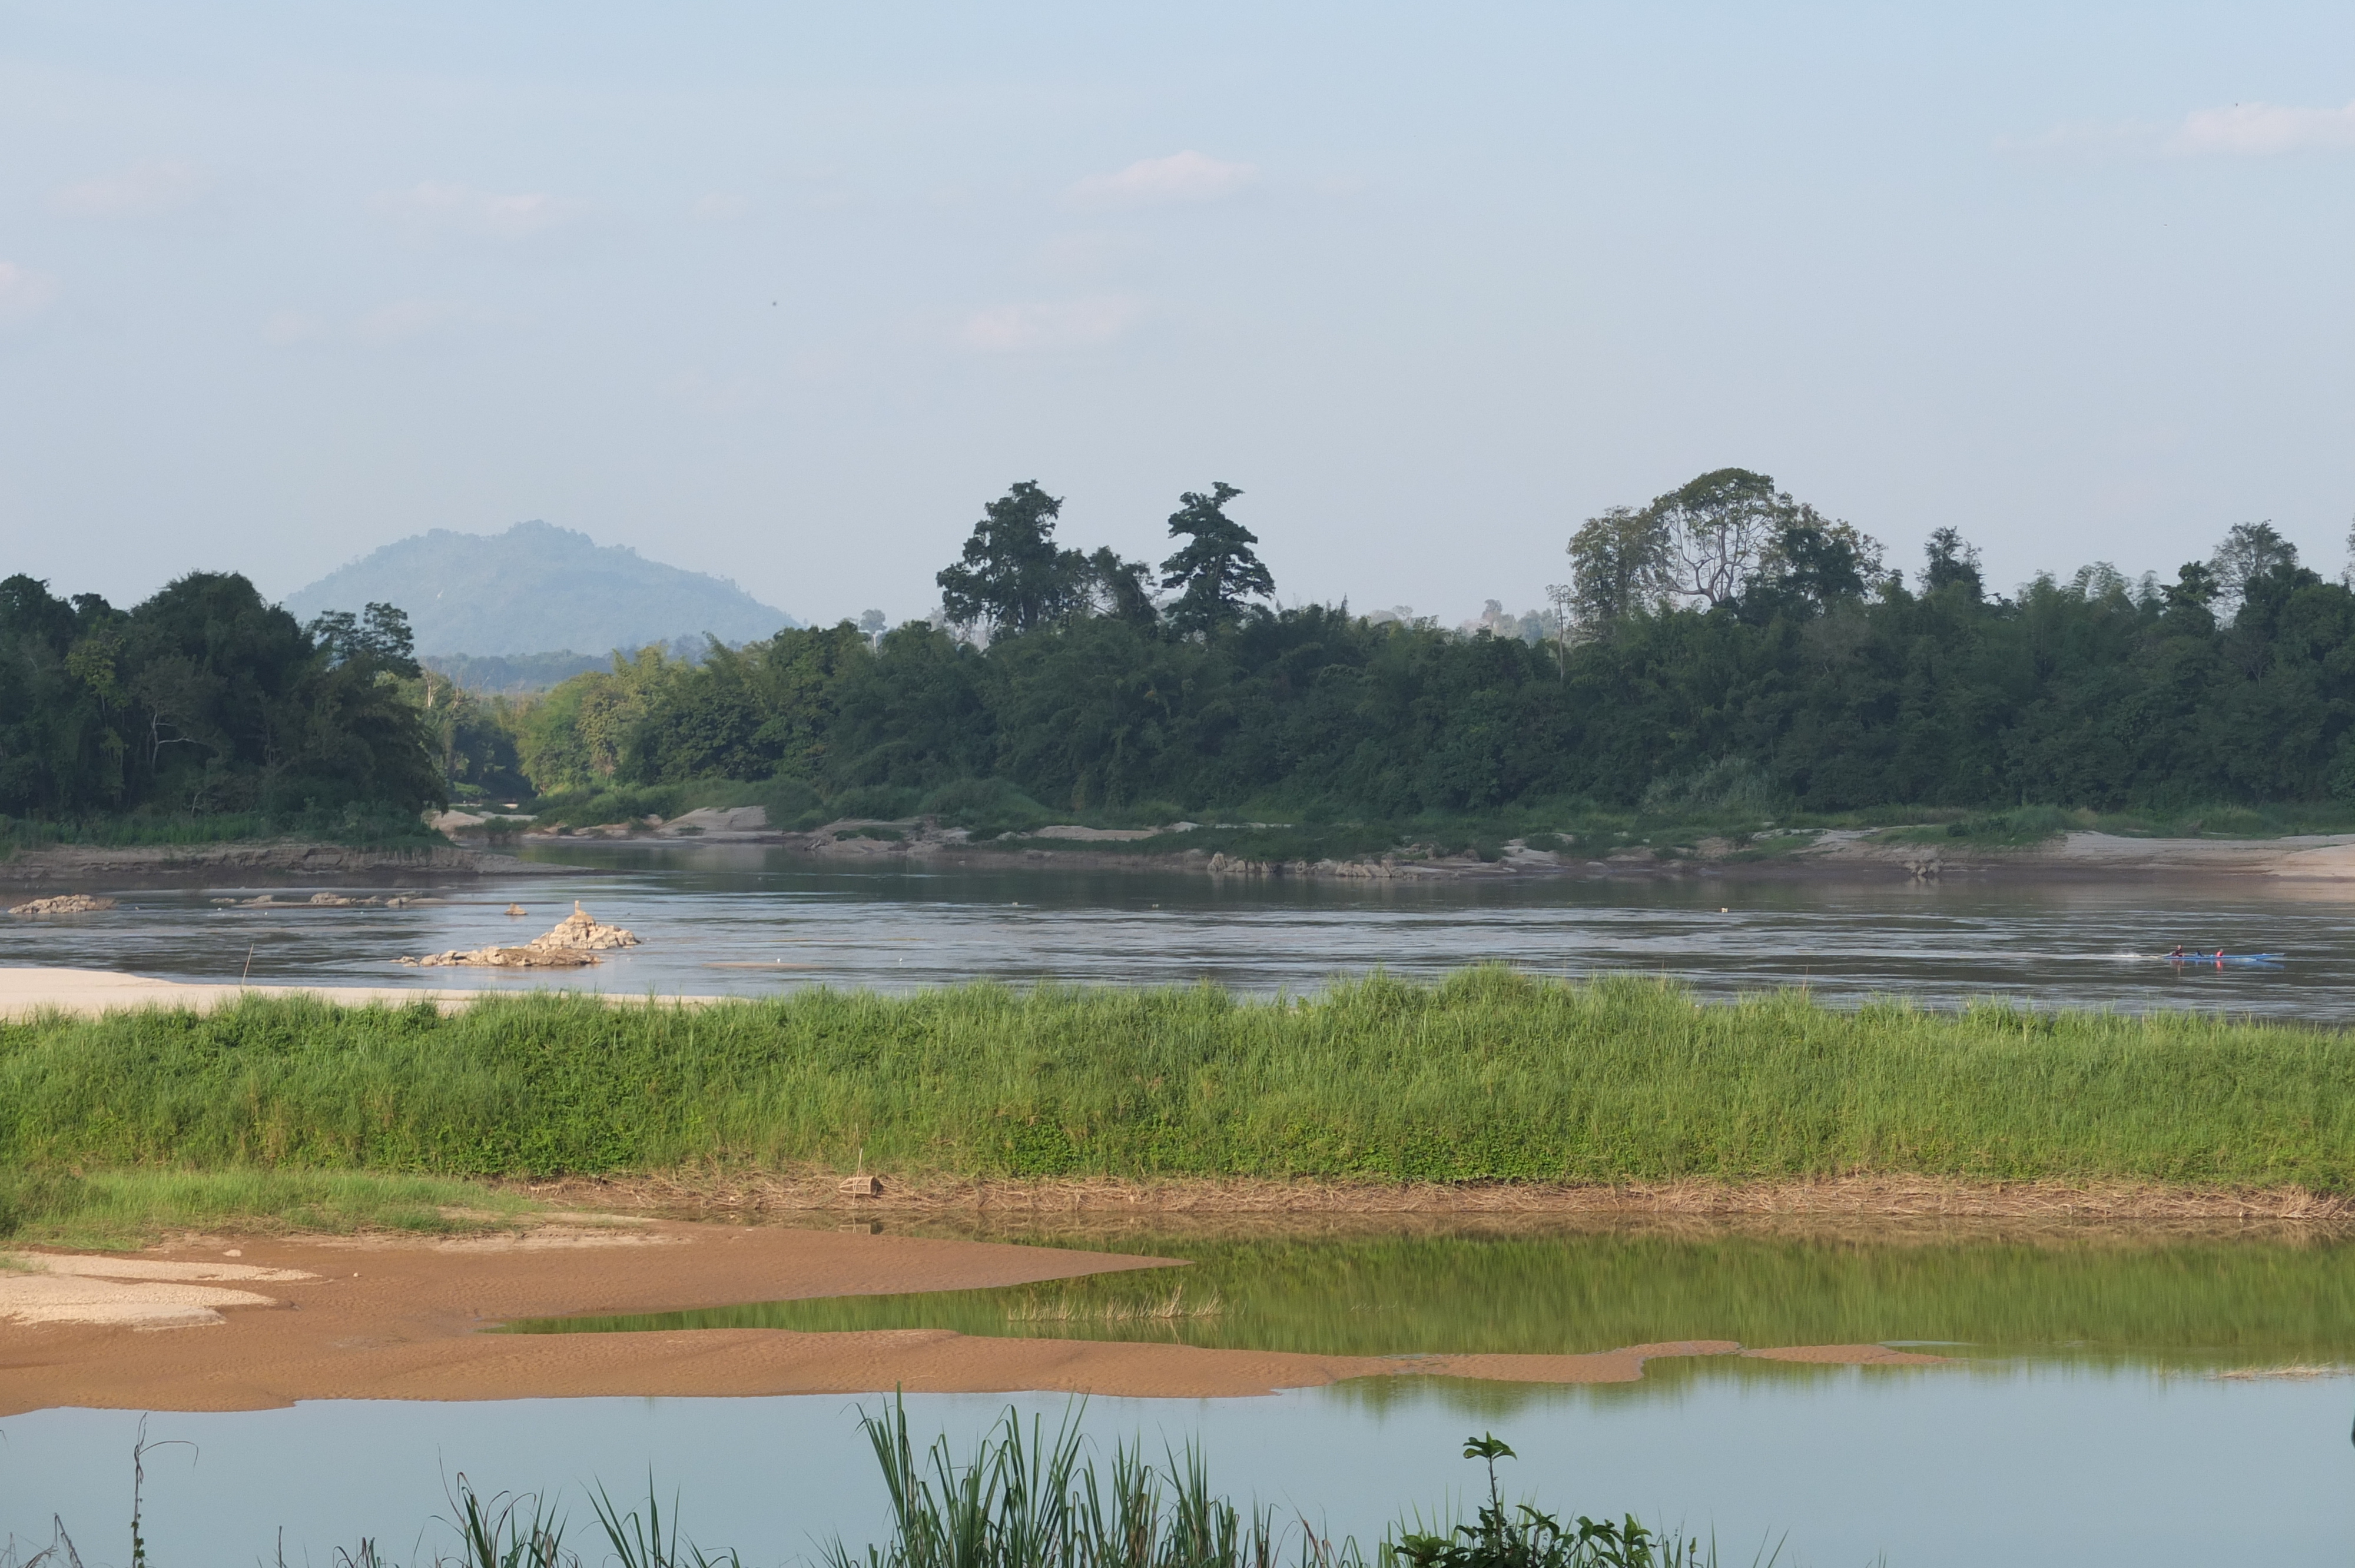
(755, 922)
(2087, 1415)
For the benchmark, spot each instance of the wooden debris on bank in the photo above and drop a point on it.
(574, 944)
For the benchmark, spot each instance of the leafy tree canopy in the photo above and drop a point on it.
(1216, 569)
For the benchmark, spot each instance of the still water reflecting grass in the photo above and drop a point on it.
(2201, 1301)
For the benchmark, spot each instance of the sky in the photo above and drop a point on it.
(786, 292)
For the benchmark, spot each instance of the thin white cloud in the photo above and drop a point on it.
(1049, 325)
(1075, 258)
(285, 328)
(431, 208)
(148, 190)
(1151, 181)
(404, 319)
(2092, 138)
(2257, 130)
(24, 294)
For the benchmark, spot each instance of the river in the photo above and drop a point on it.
(749, 921)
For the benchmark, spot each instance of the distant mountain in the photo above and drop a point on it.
(537, 588)
(513, 672)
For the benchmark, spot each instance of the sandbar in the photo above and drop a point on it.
(288, 1319)
(30, 990)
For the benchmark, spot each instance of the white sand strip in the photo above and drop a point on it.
(88, 992)
(125, 1292)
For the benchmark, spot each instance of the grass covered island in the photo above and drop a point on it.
(295, 1113)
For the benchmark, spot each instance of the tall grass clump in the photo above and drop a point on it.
(1487, 1075)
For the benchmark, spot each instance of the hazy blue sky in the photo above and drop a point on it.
(785, 293)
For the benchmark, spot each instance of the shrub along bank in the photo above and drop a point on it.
(1489, 1076)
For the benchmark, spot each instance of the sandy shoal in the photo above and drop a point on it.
(385, 1319)
(29, 990)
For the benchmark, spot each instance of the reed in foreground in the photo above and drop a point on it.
(1489, 1075)
(1021, 1499)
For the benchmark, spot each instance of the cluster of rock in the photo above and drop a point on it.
(575, 942)
(325, 901)
(64, 903)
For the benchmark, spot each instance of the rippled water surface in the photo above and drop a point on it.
(749, 921)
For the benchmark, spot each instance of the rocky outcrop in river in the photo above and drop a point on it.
(574, 944)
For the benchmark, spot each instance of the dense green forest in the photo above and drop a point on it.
(208, 703)
(1724, 647)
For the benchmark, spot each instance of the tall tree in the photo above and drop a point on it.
(1951, 559)
(1011, 576)
(1619, 563)
(1719, 527)
(2248, 551)
(1815, 562)
(1122, 589)
(1216, 569)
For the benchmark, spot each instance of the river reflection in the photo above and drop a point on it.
(2199, 1302)
(749, 921)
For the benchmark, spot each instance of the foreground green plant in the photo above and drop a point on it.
(1525, 1537)
(1019, 1500)
(1489, 1075)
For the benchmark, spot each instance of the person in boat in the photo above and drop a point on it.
(2179, 954)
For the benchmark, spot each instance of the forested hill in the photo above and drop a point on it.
(1723, 642)
(538, 589)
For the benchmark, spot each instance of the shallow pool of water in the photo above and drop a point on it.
(749, 921)
(2200, 1303)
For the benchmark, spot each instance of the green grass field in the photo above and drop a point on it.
(1489, 1076)
(123, 1208)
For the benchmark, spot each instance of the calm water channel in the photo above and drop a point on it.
(2084, 1418)
(747, 921)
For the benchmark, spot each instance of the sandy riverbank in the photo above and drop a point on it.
(82, 866)
(2315, 859)
(88, 992)
(254, 1324)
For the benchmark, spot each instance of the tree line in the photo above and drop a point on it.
(205, 700)
(1722, 645)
